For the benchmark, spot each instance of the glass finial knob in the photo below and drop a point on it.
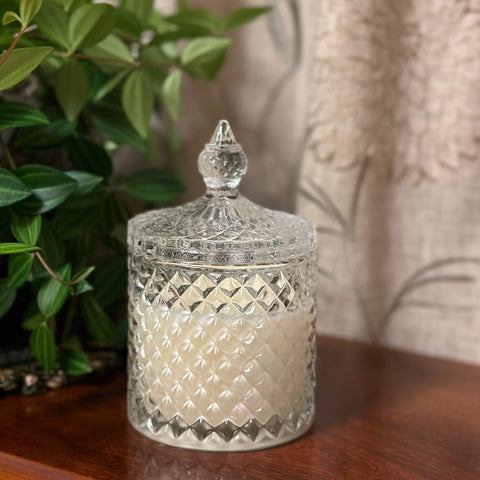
(222, 162)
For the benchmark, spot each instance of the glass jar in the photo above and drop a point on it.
(221, 316)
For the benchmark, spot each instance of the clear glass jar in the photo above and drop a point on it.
(221, 316)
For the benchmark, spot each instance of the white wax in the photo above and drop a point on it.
(224, 367)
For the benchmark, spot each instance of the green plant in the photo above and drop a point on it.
(103, 71)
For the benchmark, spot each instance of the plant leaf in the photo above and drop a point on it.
(26, 228)
(74, 362)
(111, 84)
(20, 63)
(109, 281)
(137, 101)
(98, 323)
(52, 294)
(9, 248)
(203, 22)
(89, 24)
(31, 322)
(53, 249)
(116, 127)
(140, 8)
(9, 17)
(19, 267)
(12, 190)
(20, 115)
(70, 223)
(7, 297)
(171, 93)
(82, 274)
(77, 201)
(52, 21)
(127, 24)
(86, 181)
(203, 57)
(43, 346)
(71, 88)
(83, 287)
(88, 156)
(28, 10)
(50, 187)
(110, 47)
(242, 16)
(44, 137)
(153, 186)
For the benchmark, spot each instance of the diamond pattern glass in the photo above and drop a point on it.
(221, 317)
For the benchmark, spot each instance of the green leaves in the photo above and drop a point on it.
(9, 17)
(89, 24)
(98, 323)
(140, 8)
(171, 93)
(52, 21)
(31, 322)
(19, 267)
(153, 186)
(203, 57)
(26, 229)
(137, 101)
(196, 21)
(88, 156)
(71, 88)
(19, 64)
(82, 274)
(20, 115)
(111, 47)
(8, 248)
(74, 362)
(45, 137)
(7, 297)
(28, 10)
(110, 85)
(50, 187)
(86, 181)
(43, 346)
(242, 16)
(52, 294)
(113, 124)
(109, 281)
(12, 190)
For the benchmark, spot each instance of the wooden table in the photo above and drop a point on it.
(380, 415)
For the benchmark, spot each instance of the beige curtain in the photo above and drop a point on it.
(363, 115)
(391, 174)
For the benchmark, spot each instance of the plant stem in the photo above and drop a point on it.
(83, 56)
(50, 271)
(12, 46)
(158, 64)
(7, 153)
(93, 58)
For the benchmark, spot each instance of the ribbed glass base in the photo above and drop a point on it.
(223, 437)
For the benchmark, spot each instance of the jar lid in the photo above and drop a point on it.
(222, 227)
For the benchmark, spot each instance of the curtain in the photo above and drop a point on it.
(391, 173)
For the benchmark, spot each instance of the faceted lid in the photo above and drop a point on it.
(222, 227)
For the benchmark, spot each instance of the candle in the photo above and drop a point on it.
(224, 367)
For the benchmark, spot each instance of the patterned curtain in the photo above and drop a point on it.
(391, 172)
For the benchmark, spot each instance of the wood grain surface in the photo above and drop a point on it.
(380, 414)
